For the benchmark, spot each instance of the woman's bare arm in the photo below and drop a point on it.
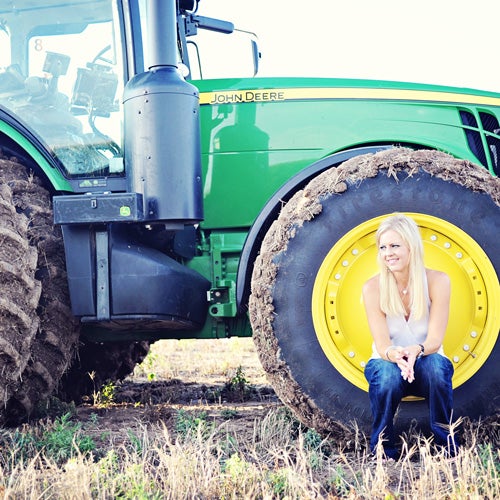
(375, 316)
(439, 294)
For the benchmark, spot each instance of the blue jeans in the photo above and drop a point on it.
(386, 389)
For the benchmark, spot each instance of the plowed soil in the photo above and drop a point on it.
(221, 378)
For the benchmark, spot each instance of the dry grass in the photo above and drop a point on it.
(213, 360)
(279, 462)
(206, 458)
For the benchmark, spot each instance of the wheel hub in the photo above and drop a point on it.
(338, 311)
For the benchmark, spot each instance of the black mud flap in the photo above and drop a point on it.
(116, 281)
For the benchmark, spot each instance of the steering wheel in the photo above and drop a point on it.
(100, 54)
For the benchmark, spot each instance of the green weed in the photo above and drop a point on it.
(136, 442)
(238, 383)
(58, 440)
(278, 481)
(190, 423)
(148, 366)
(339, 484)
(229, 413)
(107, 393)
(61, 440)
(490, 462)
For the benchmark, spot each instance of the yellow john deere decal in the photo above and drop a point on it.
(269, 95)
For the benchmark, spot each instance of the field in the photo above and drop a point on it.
(198, 420)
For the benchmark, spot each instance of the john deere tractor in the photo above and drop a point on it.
(140, 202)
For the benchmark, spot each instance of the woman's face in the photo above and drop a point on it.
(393, 251)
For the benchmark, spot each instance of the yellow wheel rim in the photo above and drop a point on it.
(338, 311)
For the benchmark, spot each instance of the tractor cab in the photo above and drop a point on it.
(61, 76)
(63, 70)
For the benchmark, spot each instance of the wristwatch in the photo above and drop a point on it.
(422, 351)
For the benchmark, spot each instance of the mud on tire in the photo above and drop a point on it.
(51, 349)
(19, 298)
(98, 363)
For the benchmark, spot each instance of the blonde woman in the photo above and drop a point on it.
(407, 308)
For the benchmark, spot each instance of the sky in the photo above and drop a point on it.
(449, 42)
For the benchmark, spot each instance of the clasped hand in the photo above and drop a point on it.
(405, 360)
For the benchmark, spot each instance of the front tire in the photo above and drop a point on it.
(306, 308)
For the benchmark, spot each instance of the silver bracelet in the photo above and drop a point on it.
(422, 350)
(390, 348)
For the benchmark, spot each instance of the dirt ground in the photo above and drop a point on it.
(221, 378)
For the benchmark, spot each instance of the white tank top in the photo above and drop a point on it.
(413, 331)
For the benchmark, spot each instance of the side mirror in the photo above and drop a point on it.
(216, 55)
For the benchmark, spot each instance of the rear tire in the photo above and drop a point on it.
(306, 310)
(54, 344)
(20, 295)
(38, 333)
(99, 363)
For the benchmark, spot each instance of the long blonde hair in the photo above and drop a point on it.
(390, 300)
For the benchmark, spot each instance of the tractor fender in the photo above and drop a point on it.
(271, 210)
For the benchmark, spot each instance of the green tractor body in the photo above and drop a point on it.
(167, 190)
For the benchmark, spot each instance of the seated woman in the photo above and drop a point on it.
(407, 307)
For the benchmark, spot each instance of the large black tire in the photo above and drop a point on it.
(39, 336)
(310, 330)
(53, 346)
(19, 298)
(99, 363)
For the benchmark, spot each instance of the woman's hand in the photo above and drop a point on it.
(405, 358)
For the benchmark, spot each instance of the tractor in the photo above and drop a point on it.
(141, 201)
